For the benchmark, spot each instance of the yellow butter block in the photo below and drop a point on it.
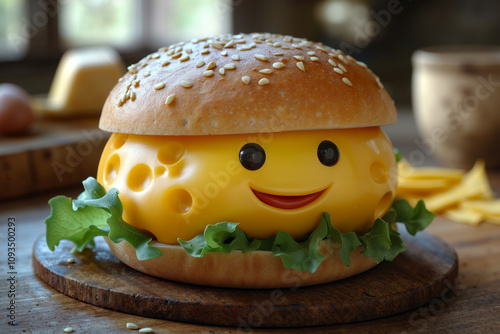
(82, 82)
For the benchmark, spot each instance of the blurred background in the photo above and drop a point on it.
(35, 33)
(48, 124)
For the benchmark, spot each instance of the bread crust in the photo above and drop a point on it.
(316, 87)
(252, 270)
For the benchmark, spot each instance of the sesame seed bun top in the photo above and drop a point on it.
(243, 83)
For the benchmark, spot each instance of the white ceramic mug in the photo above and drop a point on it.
(456, 103)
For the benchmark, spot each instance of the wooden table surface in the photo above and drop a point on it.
(473, 306)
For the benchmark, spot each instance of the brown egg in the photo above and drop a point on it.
(16, 114)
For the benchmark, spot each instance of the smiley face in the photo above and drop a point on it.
(173, 186)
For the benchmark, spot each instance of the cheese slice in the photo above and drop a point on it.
(463, 215)
(475, 185)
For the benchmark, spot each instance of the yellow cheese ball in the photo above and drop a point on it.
(173, 186)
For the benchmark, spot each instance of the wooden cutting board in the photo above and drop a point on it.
(424, 272)
(56, 153)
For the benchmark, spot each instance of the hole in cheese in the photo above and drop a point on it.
(140, 177)
(379, 172)
(120, 140)
(384, 204)
(170, 153)
(179, 200)
(112, 169)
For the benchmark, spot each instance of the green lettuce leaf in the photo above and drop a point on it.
(99, 213)
(415, 219)
(94, 213)
(222, 237)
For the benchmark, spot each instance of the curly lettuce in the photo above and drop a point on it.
(99, 213)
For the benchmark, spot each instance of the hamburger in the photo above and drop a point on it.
(247, 161)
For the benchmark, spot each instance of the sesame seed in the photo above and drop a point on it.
(217, 46)
(200, 64)
(186, 84)
(338, 70)
(155, 56)
(176, 55)
(230, 44)
(261, 57)
(120, 79)
(145, 330)
(132, 96)
(70, 260)
(263, 81)
(253, 45)
(341, 57)
(277, 44)
(163, 49)
(278, 53)
(342, 67)
(379, 83)
(131, 325)
(171, 52)
(266, 71)
(169, 100)
(165, 63)
(245, 48)
(285, 47)
(314, 58)
(159, 86)
(347, 81)
(296, 46)
(298, 57)
(178, 49)
(278, 64)
(205, 51)
(240, 41)
(360, 63)
(311, 53)
(205, 45)
(135, 83)
(211, 65)
(120, 103)
(350, 58)
(186, 57)
(68, 330)
(300, 66)
(332, 62)
(222, 71)
(230, 66)
(320, 48)
(245, 79)
(224, 53)
(147, 74)
(208, 73)
(235, 57)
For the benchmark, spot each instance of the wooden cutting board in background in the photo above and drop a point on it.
(56, 153)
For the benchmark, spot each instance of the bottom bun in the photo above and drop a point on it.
(252, 270)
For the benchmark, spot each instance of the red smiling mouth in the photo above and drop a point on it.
(287, 202)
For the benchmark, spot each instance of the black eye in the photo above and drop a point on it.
(328, 153)
(252, 156)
